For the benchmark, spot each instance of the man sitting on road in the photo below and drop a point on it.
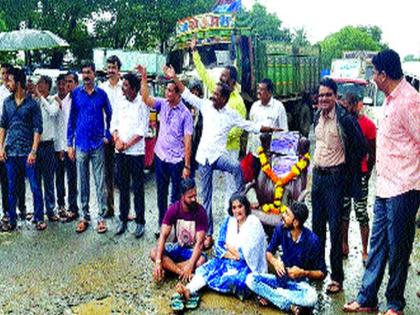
(301, 259)
(189, 220)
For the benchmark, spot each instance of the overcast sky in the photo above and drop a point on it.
(399, 20)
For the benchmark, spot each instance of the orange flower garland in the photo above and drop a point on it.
(277, 207)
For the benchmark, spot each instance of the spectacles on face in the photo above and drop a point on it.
(329, 94)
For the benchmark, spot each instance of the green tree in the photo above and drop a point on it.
(143, 24)
(300, 38)
(263, 24)
(348, 38)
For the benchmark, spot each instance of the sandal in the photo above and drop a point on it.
(53, 218)
(82, 226)
(192, 302)
(101, 228)
(334, 287)
(41, 225)
(70, 216)
(177, 302)
(358, 309)
(7, 227)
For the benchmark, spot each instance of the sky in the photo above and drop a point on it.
(399, 20)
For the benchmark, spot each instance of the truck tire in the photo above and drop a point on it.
(304, 120)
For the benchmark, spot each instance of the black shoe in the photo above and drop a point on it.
(139, 230)
(7, 227)
(122, 227)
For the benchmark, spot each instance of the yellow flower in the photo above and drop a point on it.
(266, 208)
(302, 164)
(295, 170)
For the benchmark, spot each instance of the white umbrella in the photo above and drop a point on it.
(30, 39)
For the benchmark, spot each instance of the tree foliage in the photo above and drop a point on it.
(350, 38)
(137, 24)
(300, 38)
(263, 24)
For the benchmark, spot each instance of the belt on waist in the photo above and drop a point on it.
(329, 169)
(46, 142)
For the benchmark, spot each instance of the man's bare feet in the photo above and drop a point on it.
(182, 290)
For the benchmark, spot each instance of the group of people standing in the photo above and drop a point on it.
(106, 125)
(344, 156)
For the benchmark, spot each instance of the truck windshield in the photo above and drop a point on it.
(354, 88)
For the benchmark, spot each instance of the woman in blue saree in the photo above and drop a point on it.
(240, 250)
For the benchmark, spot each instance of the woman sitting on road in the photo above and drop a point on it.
(240, 250)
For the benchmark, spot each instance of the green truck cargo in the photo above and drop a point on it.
(295, 71)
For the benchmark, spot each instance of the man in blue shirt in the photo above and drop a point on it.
(21, 127)
(86, 136)
(301, 258)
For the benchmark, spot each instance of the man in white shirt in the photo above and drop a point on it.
(218, 120)
(64, 163)
(266, 111)
(46, 154)
(113, 88)
(129, 124)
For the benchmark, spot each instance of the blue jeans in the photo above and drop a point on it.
(16, 168)
(327, 206)
(66, 166)
(130, 170)
(164, 172)
(282, 292)
(178, 254)
(225, 164)
(96, 157)
(45, 166)
(392, 239)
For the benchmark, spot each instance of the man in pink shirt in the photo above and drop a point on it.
(397, 188)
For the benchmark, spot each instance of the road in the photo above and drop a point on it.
(60, 272)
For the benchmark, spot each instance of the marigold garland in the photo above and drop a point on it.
(277, 207)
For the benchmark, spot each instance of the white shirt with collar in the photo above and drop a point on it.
(114, 92)
(216, 126)
(130, 119)
(49, 110)
(61, 121)
(271, 115)
(4, 93)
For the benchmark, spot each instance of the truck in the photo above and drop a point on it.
(353, 74)
(295, 71)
